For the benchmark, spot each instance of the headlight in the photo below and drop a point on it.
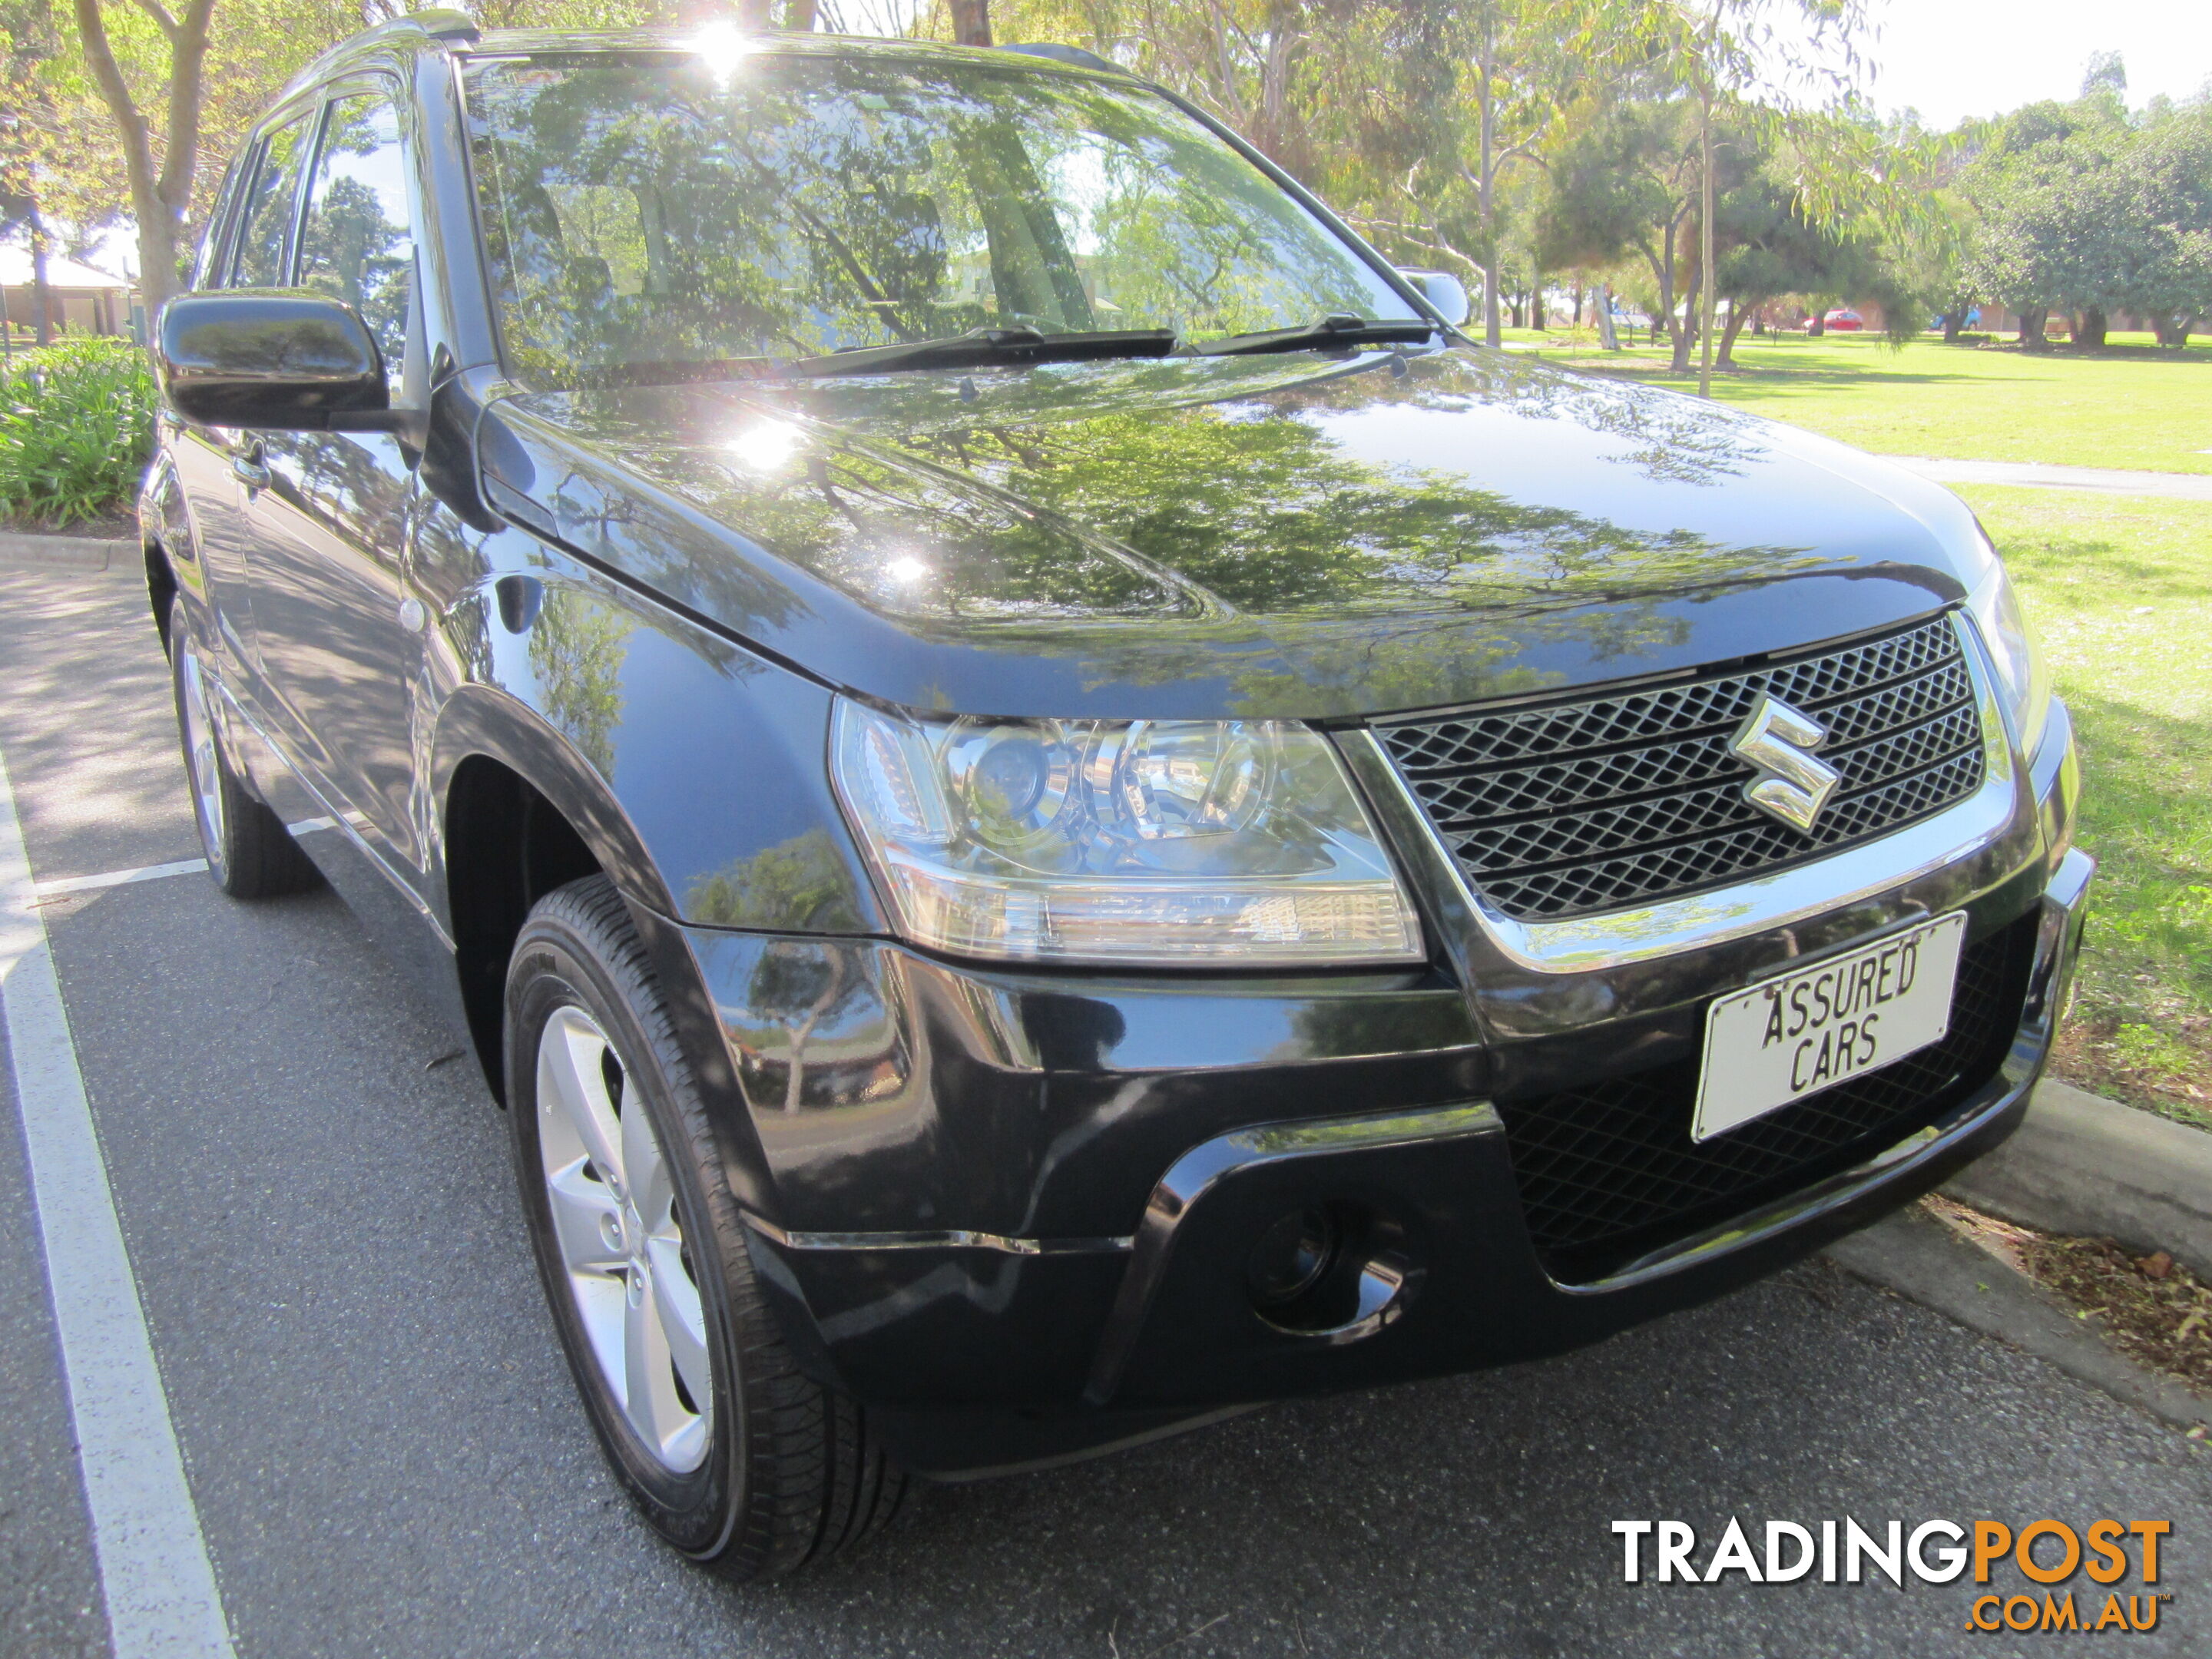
(2022, 672)
(1169, 842)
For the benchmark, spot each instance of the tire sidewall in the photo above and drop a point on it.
(555, 966)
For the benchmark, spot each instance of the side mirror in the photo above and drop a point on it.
(1447, 295)
(272, 361)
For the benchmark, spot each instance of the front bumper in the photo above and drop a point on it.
(1013, 1213)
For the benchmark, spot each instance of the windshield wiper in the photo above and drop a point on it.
(991, 348)
(1335, 332)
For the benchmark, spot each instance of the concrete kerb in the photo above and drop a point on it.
(64, 552)
(1918, 1258)
(2079, 1166)
(2084, 1166)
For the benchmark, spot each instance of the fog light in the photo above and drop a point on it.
(1291, 1257)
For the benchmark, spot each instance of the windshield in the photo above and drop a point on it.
(649, 218)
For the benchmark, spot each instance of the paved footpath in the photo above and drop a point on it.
(382, 1452)
(2180, 486)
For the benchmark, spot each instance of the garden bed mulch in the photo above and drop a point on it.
(2150, 1308)
(117, 527)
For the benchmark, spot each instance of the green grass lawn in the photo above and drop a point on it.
(2120, 590)
(2130, 405)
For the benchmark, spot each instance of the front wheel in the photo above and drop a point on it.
(734, 1456)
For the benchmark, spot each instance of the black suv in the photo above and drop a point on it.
(1054, 810)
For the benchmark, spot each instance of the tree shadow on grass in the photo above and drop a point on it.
(2147, 815)
(2041, 559)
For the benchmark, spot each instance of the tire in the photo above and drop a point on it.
(732, 1454)
(250, 854)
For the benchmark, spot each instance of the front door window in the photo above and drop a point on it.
(355, 243)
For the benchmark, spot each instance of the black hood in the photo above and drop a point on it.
(1272, 537)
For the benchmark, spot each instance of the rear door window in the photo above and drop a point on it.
(267, 208)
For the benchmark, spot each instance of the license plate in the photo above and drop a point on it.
(1798, 1033)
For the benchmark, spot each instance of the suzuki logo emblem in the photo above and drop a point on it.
(1779, 742)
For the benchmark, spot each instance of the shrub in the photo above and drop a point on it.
(76, 424)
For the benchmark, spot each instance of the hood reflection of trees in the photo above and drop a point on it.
(1230, 538)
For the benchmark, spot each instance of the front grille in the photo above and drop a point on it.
(1567, 808)
(1609, 1173)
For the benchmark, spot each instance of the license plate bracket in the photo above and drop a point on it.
(1804, 1030)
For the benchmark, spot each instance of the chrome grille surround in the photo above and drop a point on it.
(1895, 704)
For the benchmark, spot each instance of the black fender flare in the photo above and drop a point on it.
(169, 542)
(480, 721)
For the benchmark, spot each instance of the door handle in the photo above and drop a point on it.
(250, 470)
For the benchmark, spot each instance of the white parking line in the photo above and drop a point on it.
(159, 1588)
(63, 886)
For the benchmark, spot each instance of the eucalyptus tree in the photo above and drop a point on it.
(28, 40)
(1762, 60)
(1263, 66)
(1621, 182)
(1768, 244)
(160, 85)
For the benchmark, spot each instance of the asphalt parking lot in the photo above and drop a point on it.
(385, 1455)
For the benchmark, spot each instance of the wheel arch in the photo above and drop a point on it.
(164, 536)
(521, 813)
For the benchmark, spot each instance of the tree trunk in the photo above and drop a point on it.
(2171, 330)
(1606, 337)
(798, 15)
(1816, 325)
(1662, 273)
(1727, 357)
(971, 22)
(159, 199)
(1687, 333)
(1489, 336)
(1954, 319)
(794, 1080)
(2090, 329)
(42, 295)
(2031, 329)
(1706, 243)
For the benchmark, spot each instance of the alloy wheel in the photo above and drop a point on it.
(613, 1208)
(196, 709)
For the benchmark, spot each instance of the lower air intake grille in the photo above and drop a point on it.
(1561, 809)
(1609, 1173)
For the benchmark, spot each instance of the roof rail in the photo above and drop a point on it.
(443, 23)
(1059, 54)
